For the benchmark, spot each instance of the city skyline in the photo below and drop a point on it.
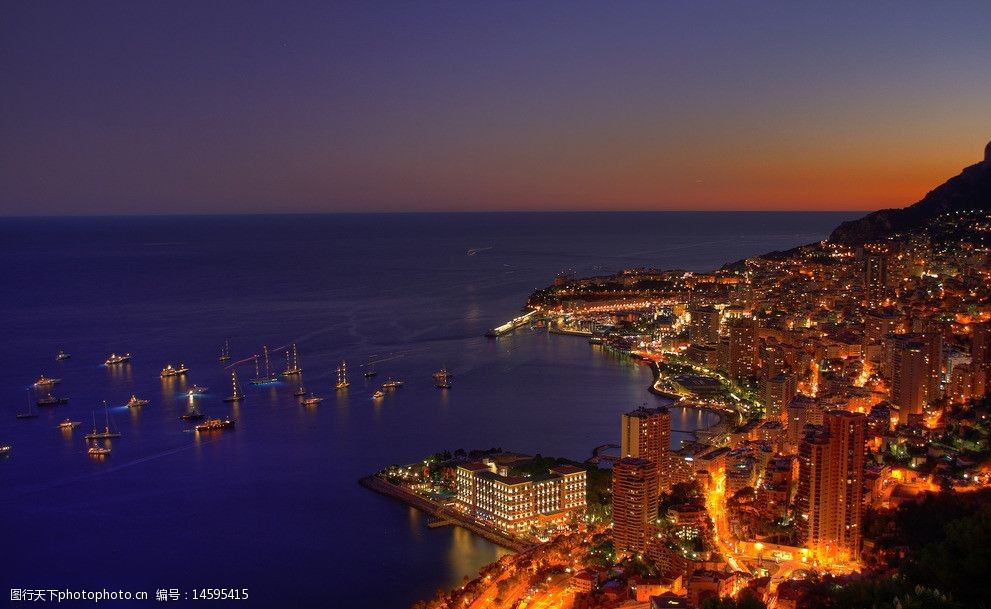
(226, 108)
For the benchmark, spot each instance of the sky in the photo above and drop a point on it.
(229, 107)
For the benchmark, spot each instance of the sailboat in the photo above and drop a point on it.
(106, 433)
(300, 389)
(225, 351)
(370, 370)
(30, 414)
(237, 396)
(292, 364)
(442, 380)
(268, 379)
(342, 376)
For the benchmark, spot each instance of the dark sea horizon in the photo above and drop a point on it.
(274, 505)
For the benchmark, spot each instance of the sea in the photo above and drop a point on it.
(273, 508)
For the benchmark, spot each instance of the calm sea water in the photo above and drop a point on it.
(274, 506)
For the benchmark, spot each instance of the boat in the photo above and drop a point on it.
(342, 376)
(369, 370)
(215, 425)
(311, 400)
(292, 364)
(52, 400)
(136, 402)
(378, 394)
(237, 396)
(300, 391)
(114, 359)
(225, 351)
(391, 384)
(30, 414)
(442, 373)
(191, 415)
(196, 390)
(62, 356)
(168, 371)
(44, 381)
(5, 449)
(67, 424)
(269, 378)
(106, 433)
(443, 382)
(98, 451)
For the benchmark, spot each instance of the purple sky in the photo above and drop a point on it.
(178, 107)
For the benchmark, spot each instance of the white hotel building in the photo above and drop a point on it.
(515, 503)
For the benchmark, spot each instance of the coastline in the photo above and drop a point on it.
(377, 484)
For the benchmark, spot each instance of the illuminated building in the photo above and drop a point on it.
(916, 369)
(980, 358)
(514, 504)
(646, 434)
(703, 329)
(802, 410)
(876, 278)
(634, 502)
(831, 485)
(742, 347)
(778, 393)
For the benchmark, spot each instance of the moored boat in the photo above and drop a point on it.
(268, 378)
(62, 356)
(52, 400)
(113, 359)
(44, 381)
(342, 376)
(98, 451)
(169, 371)
(215, 425)
(106, 433)
(136, 402)
(67, 424)
(311, 400)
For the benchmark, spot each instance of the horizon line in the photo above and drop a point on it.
(428, 212)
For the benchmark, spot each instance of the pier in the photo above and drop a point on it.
(509, 326)
(443, 515)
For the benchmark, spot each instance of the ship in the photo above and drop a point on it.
(106, 433)
(370, 370)
(215, 425)
(168, 371)
(378, 394)
(30, 414)
(191, 415)
(67, 424)
(136, 402)
(196, 390)
(98, 451)
(292, 363)
(44, 381)
(113, 359)
(52, 400)
(391, 384)
(311, 400)
(225, 351)
(442, 381)
(342, 376)
(237, 396)
(62, 356)
(269, 378)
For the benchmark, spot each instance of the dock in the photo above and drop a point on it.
(509, 326)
